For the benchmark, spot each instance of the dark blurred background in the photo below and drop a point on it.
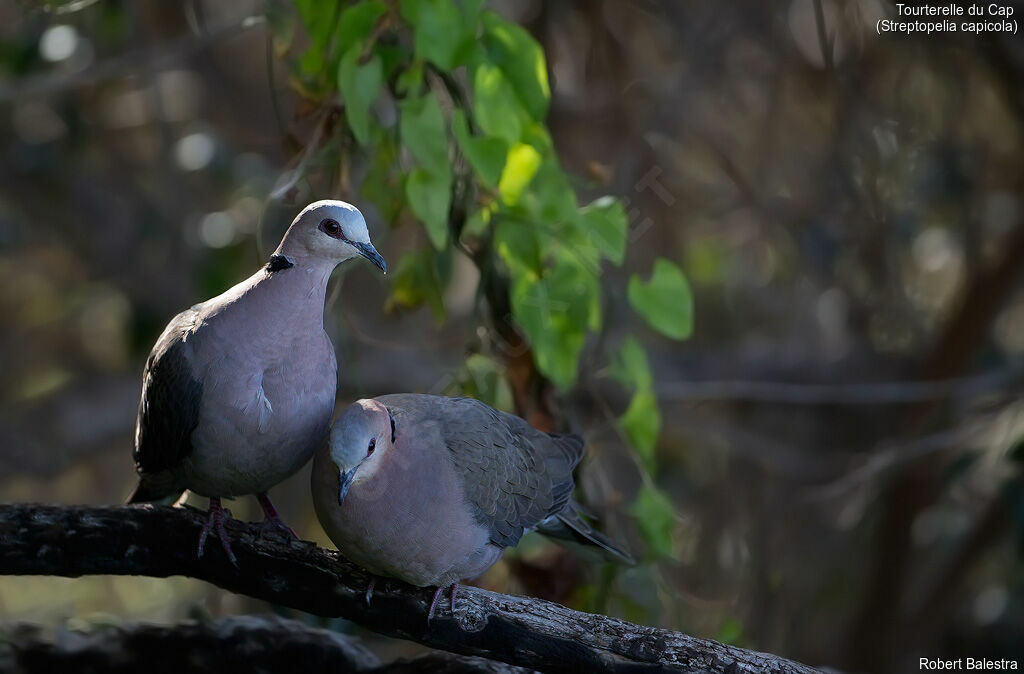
(841, 437)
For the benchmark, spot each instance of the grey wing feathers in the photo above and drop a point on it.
(169, 408)
(562, 454)
(514, 475)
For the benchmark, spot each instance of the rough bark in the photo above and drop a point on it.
(243, 644)
(160, 541)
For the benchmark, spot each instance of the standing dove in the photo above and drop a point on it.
(239, 390)
(431, 490)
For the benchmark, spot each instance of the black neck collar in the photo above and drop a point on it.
(279, 262)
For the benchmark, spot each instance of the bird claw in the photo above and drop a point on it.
(437, 597)
(215, 522)
(272, 520)
(269, 524)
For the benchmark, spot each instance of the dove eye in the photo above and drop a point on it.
(331, 228)
(373, 445)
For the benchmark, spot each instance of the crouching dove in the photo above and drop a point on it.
(431, 490)
(239, 390)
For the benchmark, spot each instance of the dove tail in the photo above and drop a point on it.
(568, 525)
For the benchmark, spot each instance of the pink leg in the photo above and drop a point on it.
(218, 516)
(437, 597)
(271, 519)
(433, 603)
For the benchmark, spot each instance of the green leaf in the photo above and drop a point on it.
(577, 288)
(310, 12)
(536, 134)
(550, 197)
(428, 189)
(441, 33)
(655, 517)
(555, 338)
(429, 196)
(520, 167)
(485, 154)
(393, 59)
(521, 59)
(517, 244)
(318, 18)
(554, 310)
(483, 379)
(471, 10)
(411, 79)
(359, 85)
(312, 62)
(356, 23)
(665, 302)
(421, 127)
(641, 423)
(477, 223)
(418, 280)
(604, 223)
(630, 367)
(384, 184)
(495, 106)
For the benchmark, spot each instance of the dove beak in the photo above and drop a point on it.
(344, 482)
(370, 253)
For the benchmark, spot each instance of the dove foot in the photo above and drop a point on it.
(272, 521)
(437, 597)
(215, 522)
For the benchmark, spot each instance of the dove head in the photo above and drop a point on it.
(331, 232)
(360, 437)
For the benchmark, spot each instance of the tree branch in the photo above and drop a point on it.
(243, 644)
(160, 541)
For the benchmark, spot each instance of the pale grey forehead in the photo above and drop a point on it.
(352, 421)
(357, 419)
(341, 211)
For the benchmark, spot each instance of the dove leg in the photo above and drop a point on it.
(433, 603)
(437, 598)
(215, 522)
(271, 519)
